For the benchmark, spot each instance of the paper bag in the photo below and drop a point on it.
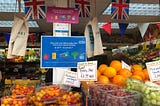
(19, 37)
(93, 39)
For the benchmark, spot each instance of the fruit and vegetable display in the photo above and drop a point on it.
(138, 53)
(53, 95)
(31, 55)
(123, 97)
(98, 92)
(22, 90)
(150, 92)
(13, 101)
(115, 74)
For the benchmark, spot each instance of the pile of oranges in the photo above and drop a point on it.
(114, 73)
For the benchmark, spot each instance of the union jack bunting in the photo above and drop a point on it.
(35, 9)
(120, 9)
(84, 7)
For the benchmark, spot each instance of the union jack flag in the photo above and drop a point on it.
(84, 7)
(120, 9)
(35, 9)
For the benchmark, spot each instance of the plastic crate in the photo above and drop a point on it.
(13, 101)
(123, 97)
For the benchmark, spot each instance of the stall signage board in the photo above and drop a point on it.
(87, 71)
(62, 15)
(70, 78)
(60, 29)
(154, 70)
(64, 52)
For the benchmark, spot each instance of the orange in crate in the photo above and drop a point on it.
(102, 67)
(119, 80)
(116, 64)
(125, 72)
(103, 80)
(110, 72)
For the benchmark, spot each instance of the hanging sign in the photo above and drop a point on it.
(62, 51)
(87, 71)
(61, 29)
(125, 65)
(154, 70)
(62, 15)
(70, 78)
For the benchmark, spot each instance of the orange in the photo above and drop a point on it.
(102, 67)
(98, 73)
(140, 73)
(110, 72)
(145, 72)
(136, 77)
(119, 80)
(136, 67)
(116, 64)
(125, 72)
(103, 79)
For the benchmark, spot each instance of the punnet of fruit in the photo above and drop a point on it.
(46, 95)
(150, 91)
(123, 97)
(98, 92)
(13, 101)
(70, 98)
(22, 90)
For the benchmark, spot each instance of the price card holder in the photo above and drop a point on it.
(154, 70)
(70, 78)
(87, 71)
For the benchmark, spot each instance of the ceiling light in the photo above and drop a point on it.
(32, 24)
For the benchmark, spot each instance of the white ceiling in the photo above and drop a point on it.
(100, 6)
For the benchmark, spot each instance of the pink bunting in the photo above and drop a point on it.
(107, 27)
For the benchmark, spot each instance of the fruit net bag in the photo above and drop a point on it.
(123, 97)
(47, 95)
(13, 101)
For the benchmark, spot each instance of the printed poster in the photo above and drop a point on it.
(62, 51)
(62, 15)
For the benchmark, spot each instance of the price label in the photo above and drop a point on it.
(154, 70)
(125, 65)
(87, 71)
(70, 78)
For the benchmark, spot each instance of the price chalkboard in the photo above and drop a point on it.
(154, 70)
(70, 78)
(87, 71)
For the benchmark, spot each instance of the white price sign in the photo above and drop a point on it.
(70, 78)
(125, 65)
(87, 71)
(154, 70)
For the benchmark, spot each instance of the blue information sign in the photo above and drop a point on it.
(62, 51)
